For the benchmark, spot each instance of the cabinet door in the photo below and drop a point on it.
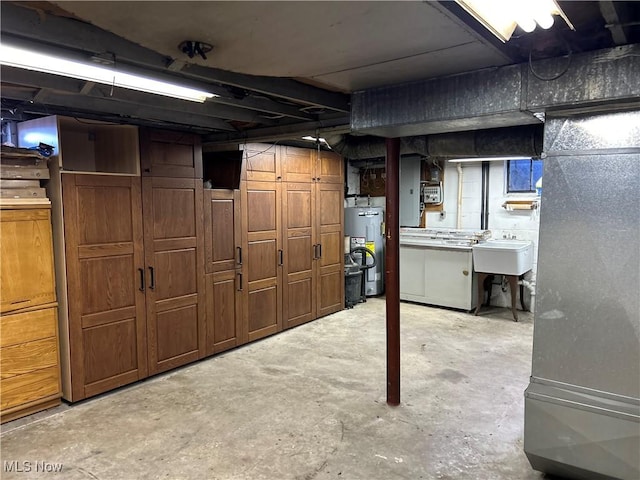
(261, 162)
(329, 168)
(262, 270)
(170, 154)
(222, 224)
(330, 224)
(104, 252)
(299, 284)
(26, 259)
(174, 253)
(224, 311)
(298, 164)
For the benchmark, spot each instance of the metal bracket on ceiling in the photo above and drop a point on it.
(193, 48)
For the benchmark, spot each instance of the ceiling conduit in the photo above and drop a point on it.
(523, 140)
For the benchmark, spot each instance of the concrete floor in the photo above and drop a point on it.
(308, 404)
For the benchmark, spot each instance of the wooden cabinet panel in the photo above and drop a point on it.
(27, 327)
(224, 311)
(262, 258)
(222, 226)
(109, 282)
(332, 248)
(177, 334)
(23, 389)
(28, 357)
(330, 168)
(330, 225)
(170, 154)
(298, 302)
(298, 164)
(95, 215)
(262, 293)
(174, 273)
(26, 271)
(115, 341)
(106, 306)
(330, 291)
(174, 253)
(263, 312)
(260, 204)
(261, 163)
(224, 262)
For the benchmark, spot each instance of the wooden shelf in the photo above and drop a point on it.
(512, 205)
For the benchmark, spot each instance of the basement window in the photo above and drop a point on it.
(523, 175)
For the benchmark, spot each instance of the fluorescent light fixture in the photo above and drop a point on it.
(309, 138)
(30, 60)
(486, 159)
(501, 17)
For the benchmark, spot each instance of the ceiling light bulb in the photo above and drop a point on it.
(527, 24)
(544, 20)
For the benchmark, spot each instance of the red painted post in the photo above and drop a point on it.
(392, 269)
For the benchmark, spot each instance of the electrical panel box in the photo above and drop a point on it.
(410, 191)
(432, 194)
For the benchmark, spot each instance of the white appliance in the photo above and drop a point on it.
(436, 266)
(365, 226)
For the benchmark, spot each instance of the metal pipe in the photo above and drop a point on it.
(392, 269)
(459, 214)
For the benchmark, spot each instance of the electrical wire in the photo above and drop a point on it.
(554, 77)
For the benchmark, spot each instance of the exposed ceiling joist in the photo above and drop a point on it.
(610, 14)
(114, 107)
(338, 125)
(74, 34)
(19, 76)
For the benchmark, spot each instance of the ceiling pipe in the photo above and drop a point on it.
(523, 140)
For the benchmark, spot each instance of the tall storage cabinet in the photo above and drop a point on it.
(129, 251)
(105, 318)
(29, 358)
(224, 275)
(299, 201)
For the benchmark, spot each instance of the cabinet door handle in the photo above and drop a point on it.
(315, 250)
(141, 270)
(152, 285)
(319, 250)
(239, 251)
(280, 257)
(239, 275)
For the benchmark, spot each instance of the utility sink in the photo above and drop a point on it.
(503, 257)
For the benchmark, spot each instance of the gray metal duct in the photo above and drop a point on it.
(522, 140)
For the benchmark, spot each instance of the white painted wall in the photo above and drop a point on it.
(520, 224)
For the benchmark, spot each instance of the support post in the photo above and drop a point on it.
(392, 271)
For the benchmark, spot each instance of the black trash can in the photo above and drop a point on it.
(352, 286)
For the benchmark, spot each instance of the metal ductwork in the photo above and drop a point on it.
(523, 140)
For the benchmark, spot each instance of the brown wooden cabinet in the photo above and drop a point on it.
(105, 283)
(262, 250)
(170, 154)
(130, 268)
(29, 355)
(330, 237)
(301, 253)
(224, 262)
(174, 259)
(306, 280)
(27, 274)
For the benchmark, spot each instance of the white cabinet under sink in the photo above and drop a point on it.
(437, 275)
